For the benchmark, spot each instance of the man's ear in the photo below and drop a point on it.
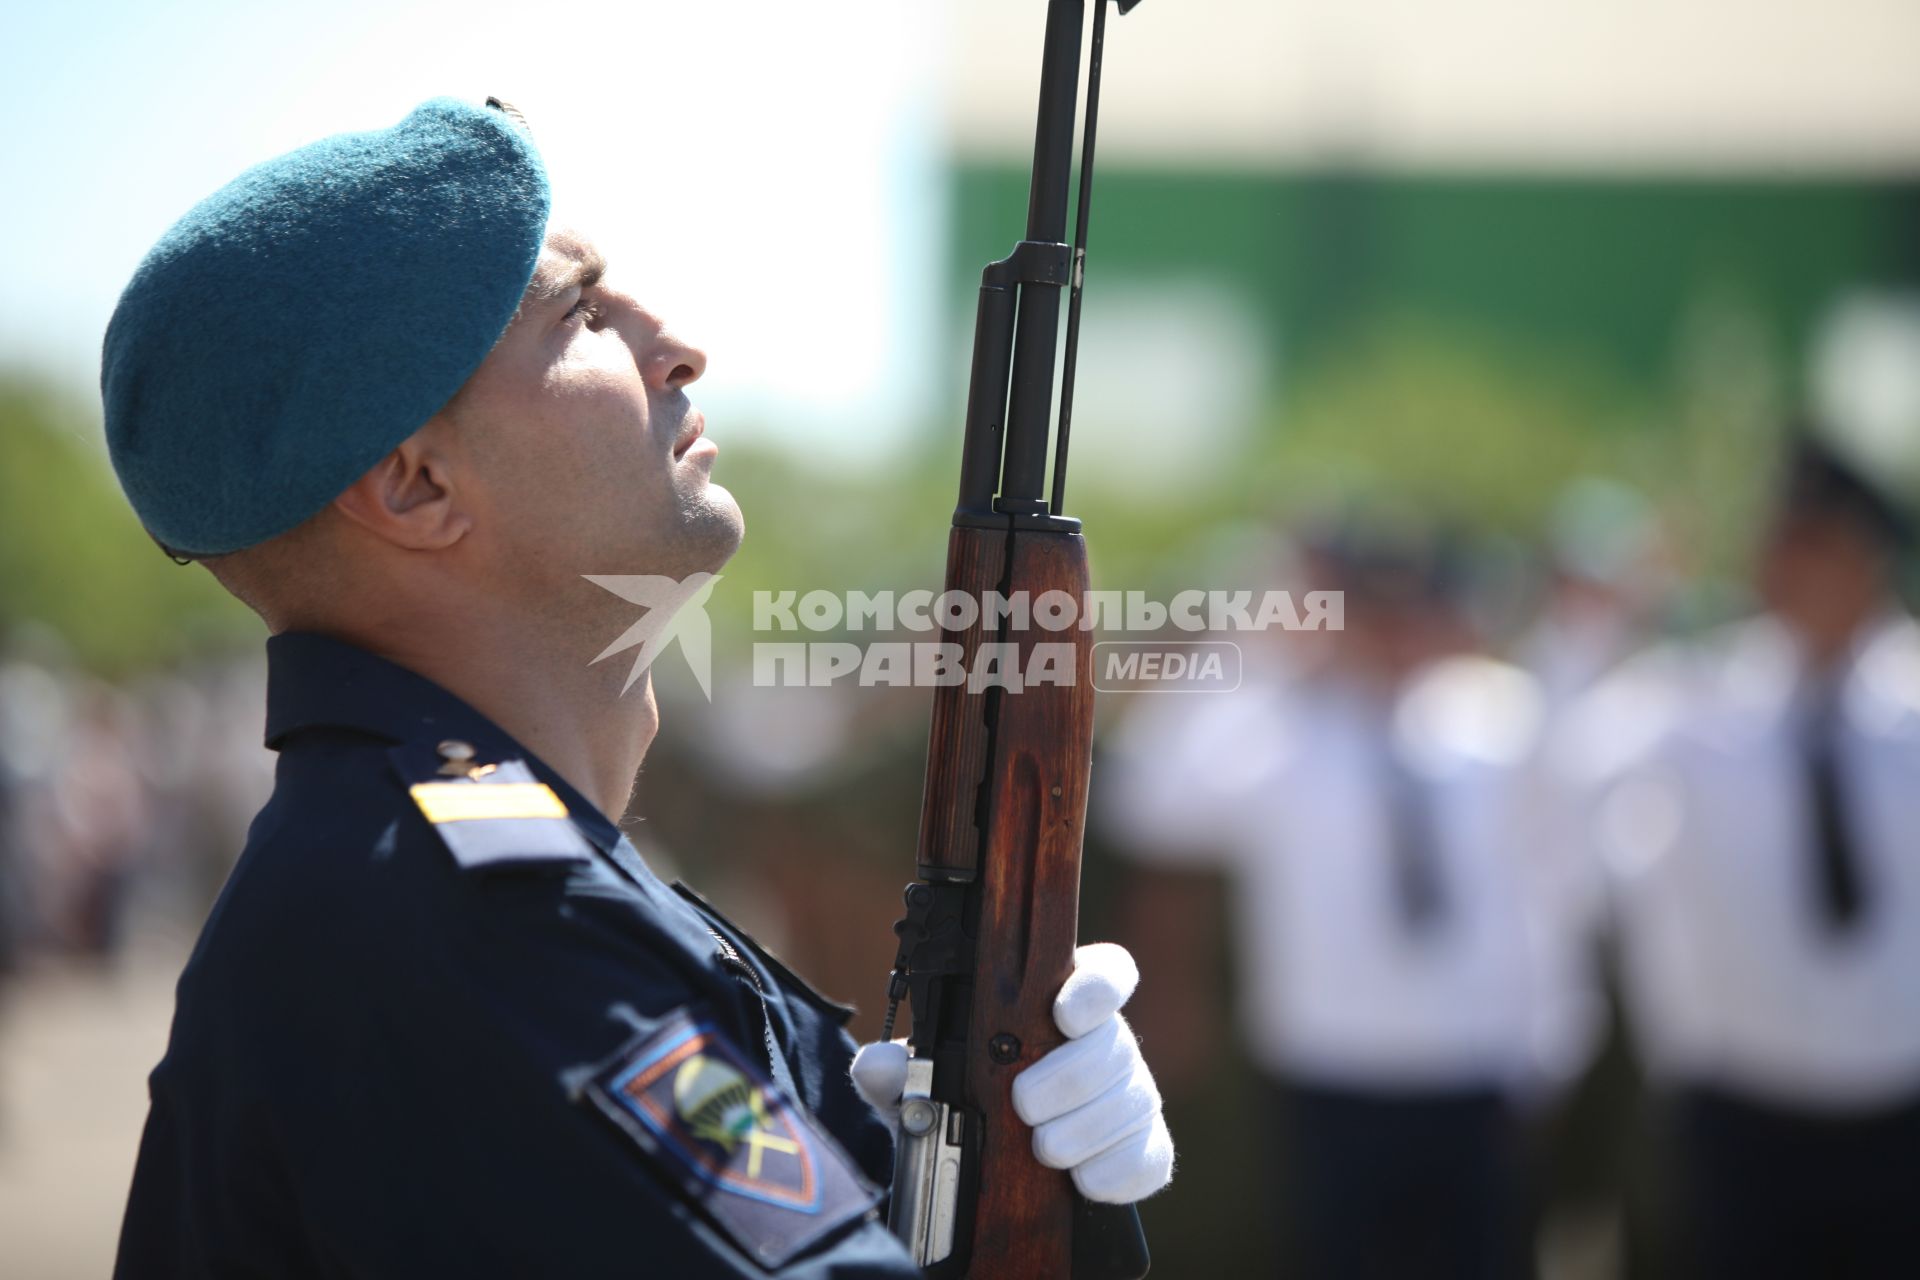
(409, 498)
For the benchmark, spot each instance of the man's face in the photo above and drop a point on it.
(1822, 575)
(588, 454)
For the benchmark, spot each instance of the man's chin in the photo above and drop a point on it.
(726, 523)
(711, 527)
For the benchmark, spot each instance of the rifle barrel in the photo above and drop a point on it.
(1037, 329)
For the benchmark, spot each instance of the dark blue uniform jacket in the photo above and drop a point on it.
(445, 1022)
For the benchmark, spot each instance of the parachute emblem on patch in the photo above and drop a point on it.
(722, 1106)
(712, 1110)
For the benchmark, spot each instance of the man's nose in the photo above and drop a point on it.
(677, 363)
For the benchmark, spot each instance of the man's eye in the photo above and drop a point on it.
(586, 309)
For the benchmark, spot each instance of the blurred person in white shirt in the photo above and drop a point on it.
(1757, 804)
(1371, 815)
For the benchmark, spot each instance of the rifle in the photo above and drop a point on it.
(989, 930)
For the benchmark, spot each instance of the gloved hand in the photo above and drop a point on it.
(1092, 1102)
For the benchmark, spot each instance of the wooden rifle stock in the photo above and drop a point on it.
(1026, 868)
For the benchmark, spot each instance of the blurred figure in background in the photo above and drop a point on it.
(38, 711)
(103, 812)
(1761, 798)
(1608, 583)
(1371, 816)
(13, 903)
(1604, 583)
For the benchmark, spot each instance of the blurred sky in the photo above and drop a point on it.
(771, 176)
(762, 174)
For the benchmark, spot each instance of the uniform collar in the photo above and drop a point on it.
(319, 682)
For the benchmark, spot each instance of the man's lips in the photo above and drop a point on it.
(694, 427)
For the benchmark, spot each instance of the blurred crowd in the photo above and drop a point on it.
(1483, 890)
(113, 793)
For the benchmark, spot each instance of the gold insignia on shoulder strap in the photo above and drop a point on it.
(468, 802)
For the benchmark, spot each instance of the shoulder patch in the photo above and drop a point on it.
(758, 1164)
(491, 815)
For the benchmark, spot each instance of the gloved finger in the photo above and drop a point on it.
(1075, 1073)
(1132, 1169)
(1125, 1109)
(1103, 978)
(880, 1074)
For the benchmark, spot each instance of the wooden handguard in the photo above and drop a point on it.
(1031, 751)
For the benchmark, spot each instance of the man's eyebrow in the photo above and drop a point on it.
(582, 272)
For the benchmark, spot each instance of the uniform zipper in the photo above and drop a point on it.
(731, 957)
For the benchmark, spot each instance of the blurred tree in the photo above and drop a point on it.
(73, 557)
(1469, 429)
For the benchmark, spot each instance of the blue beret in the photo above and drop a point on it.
(312, 314)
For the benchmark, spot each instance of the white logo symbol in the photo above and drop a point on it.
(675, 610)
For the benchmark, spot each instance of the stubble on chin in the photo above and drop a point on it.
(711, 529)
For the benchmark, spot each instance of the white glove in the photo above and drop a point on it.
(1092, 1102)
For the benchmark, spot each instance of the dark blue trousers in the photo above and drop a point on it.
(1415, 1186)
(1780, 1195)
